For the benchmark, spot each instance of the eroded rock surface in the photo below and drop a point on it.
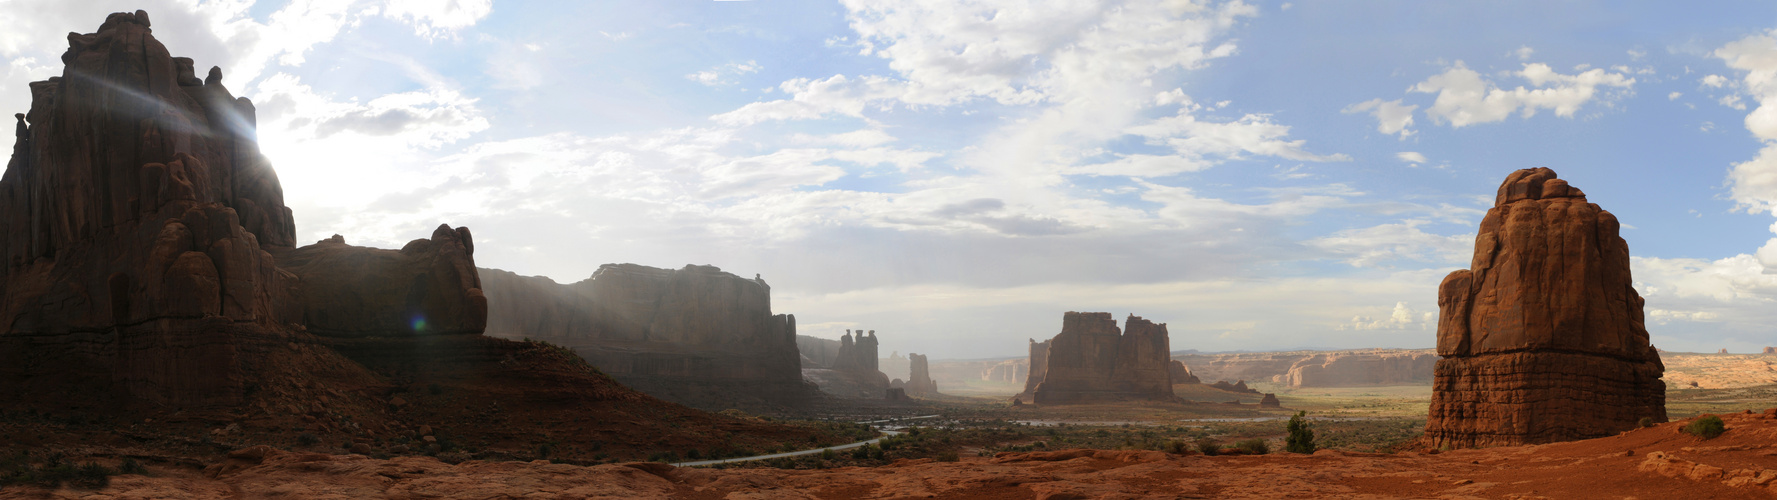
(1543, 336)
(921, 382)
(1091, 360)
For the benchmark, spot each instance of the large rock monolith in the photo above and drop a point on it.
(1542, 337)
(1091, 360)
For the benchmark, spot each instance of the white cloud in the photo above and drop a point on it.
(1714, 81)
(438, 18)
(1674, 96)
(721, 75)
(1390, 244)
(1412, 157)
(1402, 317)
(1392, 117)
(1523, 53)
(1465, 98)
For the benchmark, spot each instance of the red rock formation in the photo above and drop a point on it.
(1543, 337)
(1361, 367)
(1723, 351)
(1771, 350)
(429, 287)
(1182, 374)
(1270, 401)
(895, 394)
(921, 382)
(697, 335)
(1039, 369)
(1091, 360)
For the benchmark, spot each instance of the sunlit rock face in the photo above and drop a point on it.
(695, 335)
(144, 234)
(1543, 336)
(1091, 360)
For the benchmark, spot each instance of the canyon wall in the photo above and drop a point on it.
(696, 335)
(1543, 336)
(1351, 368)
(846, 367)
(1091, 360)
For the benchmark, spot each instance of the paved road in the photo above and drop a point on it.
(886, 432)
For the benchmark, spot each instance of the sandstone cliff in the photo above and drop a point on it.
(1543, 336)
(1181, 374)
(1351, 368)
(1013, 371)
(1091, 360)
(696, 335)
(1039, 369)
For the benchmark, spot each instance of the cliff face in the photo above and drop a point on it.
(1091, 360)
(1543, 337)
(1039, 369)
(1013, 371)
(1347, 369)
(695, 335)
(1360, 367)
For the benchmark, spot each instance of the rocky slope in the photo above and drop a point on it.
(696, 335)
(1543, 337)
(1657, 462)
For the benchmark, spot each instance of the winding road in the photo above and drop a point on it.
(885, 431)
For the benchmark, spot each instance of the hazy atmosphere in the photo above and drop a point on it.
(956, 175)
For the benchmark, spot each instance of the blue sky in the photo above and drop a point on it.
(955, 175)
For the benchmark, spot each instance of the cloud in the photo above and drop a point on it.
(721, 75)
(437, 18)
(1393, 244)
(1674, 96)
(1392, 117)
(1523, 53)
(1411, 157)
(1402, 317)
(1465, 98)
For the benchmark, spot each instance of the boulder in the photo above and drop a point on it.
(1091, 360)
(1543, 336)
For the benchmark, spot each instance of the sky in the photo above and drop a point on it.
(957, 174)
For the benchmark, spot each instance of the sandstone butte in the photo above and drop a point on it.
(1656, 462)
(151, 270)
(696, 335)
(919, 378)
(1542, 337)
(1091, 360)
(847, 367)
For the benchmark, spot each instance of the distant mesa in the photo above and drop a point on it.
(1543, 336)
(1298, 369)
(1724, 350)
(1237, 386)
(1270, 401)
(695, 335)
(1771, 350)
(1091, 360)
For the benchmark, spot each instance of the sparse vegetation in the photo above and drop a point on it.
(53, 471)
(1706, 427)
(1208, 446)
(1645, 422)
(1254, 446)
(1301, 438)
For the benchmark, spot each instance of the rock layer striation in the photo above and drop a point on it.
(1542, 337)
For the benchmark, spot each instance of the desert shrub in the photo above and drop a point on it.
(308, 439)
(544, 450)
(1254, 446)
(693, 454)
(1301, 438)
(131, 466)
(1645, 422)
(948, 456)
(1178, 447)
(1706, 427)
(1209, 446)
(827, 454)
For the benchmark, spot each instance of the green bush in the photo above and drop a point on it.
(1645, 422)
(1254, 446)
(1177, 447)
(948, 456)
(1209, 446)
(1301, 438)
(1706, 427)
